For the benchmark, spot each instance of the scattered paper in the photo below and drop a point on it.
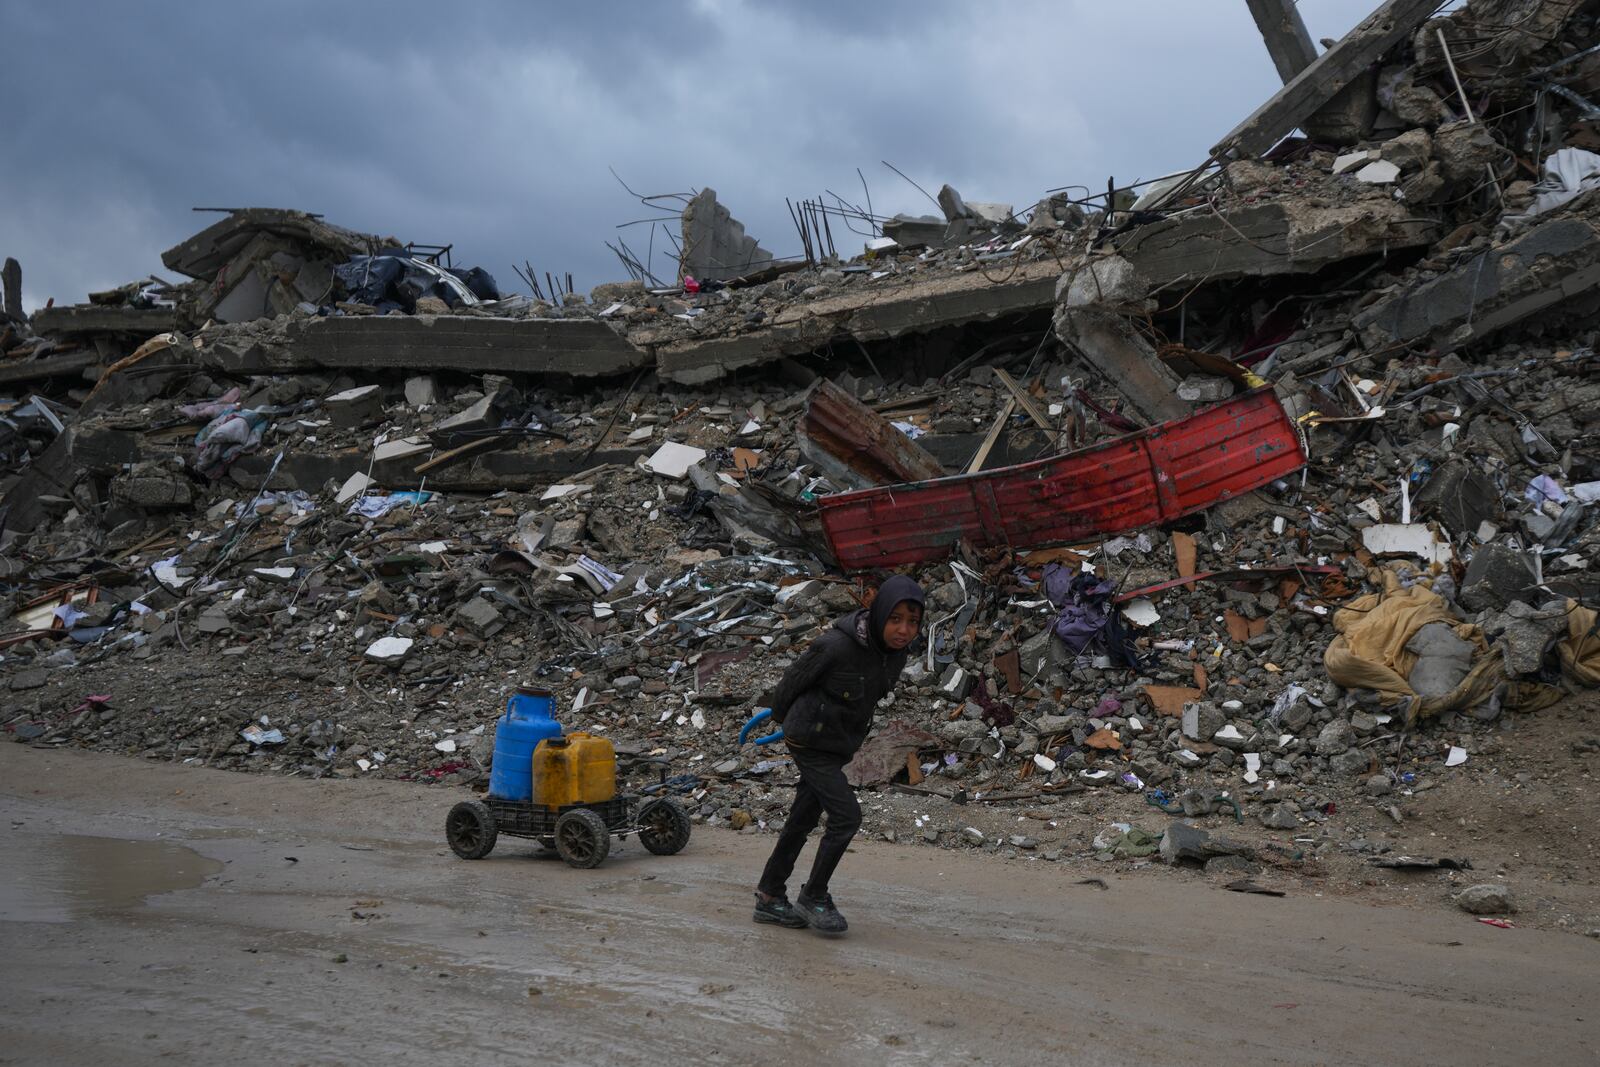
(1141, 612)
(673, 460)
(556, 492)
(1044, 763)
(388, 649)
(1456, 757)
(257, 736)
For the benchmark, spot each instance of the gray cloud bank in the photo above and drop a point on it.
(492, 125)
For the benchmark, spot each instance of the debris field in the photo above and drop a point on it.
(1246, 500)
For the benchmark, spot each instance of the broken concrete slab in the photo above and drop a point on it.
(585, 348)
(1316, 85)
(72, 365)
(1549, 264)
(1277, 237)
(875, 312)
(209, 251)
(81, 319)
(478, 415)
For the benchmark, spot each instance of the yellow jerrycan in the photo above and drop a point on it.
(575, 769)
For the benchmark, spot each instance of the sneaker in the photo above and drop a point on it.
(779, 912)
(820, 914)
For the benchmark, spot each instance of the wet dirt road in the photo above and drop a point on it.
(152, 913)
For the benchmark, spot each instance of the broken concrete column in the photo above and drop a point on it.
(715, 246)
(1090, 319)
(11, 292)
(1316, 85)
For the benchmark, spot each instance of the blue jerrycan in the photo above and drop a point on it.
(517, 733)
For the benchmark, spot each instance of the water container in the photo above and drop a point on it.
(576, 769)
(517, 733)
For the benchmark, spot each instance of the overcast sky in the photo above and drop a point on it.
(491, 125)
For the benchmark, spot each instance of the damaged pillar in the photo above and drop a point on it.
(1346, 118)
(11, 279)
(1285, 34)
(1347, 61)
(1091, 319)
(715, 246)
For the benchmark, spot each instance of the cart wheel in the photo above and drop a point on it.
(663, 826)
(470, 830)
(582, 838)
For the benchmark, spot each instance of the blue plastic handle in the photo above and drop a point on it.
(760, 716)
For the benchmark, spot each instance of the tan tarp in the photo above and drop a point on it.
(1369, 652)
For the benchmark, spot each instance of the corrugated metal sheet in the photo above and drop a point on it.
(1149, 477)
(855, 446)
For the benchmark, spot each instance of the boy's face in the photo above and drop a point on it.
(904, 622)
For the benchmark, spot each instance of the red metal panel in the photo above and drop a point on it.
(1153, 476)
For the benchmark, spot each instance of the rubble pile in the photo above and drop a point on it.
(333, 534)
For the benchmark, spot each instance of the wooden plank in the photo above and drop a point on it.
(471, 448)
(994, 435)
(1029, 408)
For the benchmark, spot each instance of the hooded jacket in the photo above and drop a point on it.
(826, 698)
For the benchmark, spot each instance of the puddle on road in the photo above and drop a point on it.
(59, 878)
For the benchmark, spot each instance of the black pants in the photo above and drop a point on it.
(822, 788)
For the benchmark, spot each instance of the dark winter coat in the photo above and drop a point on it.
(827, 697)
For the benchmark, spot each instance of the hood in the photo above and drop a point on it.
(866, 624)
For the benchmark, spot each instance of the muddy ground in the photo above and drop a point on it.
(157, 913)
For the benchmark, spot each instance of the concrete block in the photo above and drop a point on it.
(355, 407)
(421, 391)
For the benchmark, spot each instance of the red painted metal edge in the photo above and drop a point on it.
(1149, 477)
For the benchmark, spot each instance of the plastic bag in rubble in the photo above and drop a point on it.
(1087, 616)
(222, 440)
(1286, 700)
(1566, 174)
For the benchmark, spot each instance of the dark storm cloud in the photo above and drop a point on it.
(492, 125)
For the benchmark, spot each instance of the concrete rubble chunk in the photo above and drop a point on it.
(355, 407)
(481, 617)
(421, 391)
(1317, 84)
(1497, 575)
(1443, 660)
(1553, 262)
(153, 485)
(1490, 898)
(579, 347)
(715, 246)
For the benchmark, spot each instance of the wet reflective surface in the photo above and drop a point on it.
(59, 877)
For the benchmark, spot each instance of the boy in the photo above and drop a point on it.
(825, 702)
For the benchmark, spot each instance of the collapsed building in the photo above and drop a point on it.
(1263, 483)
